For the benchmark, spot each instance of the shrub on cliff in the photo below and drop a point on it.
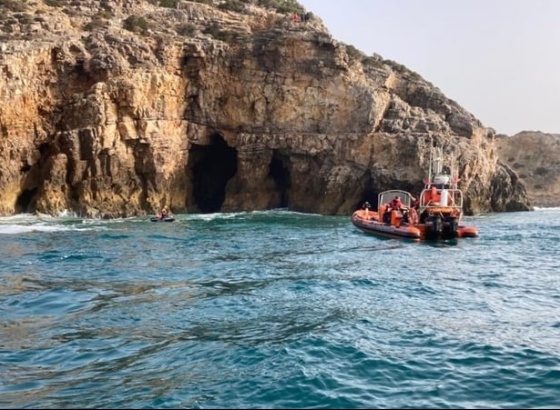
(215, 31)
(168, 3)
(13, 5)
(137, 24)
(281, 6)
(232, 5)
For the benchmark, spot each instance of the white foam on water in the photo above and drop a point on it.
(6, 229)
(216, 216)
(232, 215)
(553, 208)
(26, 223)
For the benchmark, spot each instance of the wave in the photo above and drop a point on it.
(14, 229)
(19, 229)
(249, 214)
(26, 223)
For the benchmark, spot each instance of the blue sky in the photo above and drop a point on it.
(499, 59)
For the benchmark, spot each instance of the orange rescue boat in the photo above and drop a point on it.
(436, 215)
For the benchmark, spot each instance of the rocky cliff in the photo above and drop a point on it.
(116, 107)
(535, 156)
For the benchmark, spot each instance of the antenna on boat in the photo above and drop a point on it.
(430, 164)
(454, 173)
(454, 178)
(438, 162)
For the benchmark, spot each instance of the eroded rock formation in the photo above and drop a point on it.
(535, 156)
(115, 108)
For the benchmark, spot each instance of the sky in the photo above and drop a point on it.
(498, 59)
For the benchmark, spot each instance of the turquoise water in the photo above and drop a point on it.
(277, 310)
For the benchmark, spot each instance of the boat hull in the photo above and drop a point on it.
(468, 232)
(371, 225)
(166, 219)
(368, 222)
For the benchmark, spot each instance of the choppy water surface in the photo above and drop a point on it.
(277, 310)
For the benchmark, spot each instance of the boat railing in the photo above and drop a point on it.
(443, 200)
(441, 197)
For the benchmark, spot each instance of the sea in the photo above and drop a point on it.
(277, 309)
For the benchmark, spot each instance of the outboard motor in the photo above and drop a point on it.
(451, 228)
(435, 226)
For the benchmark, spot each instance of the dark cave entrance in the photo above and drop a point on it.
(212, 167)
(25, 199)
(278, 171)
(369, 195)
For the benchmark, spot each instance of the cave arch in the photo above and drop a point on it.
(211, 167)
(25, 200)
(279, 172)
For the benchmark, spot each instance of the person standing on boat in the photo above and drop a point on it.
(415, 201)
(394, 205)
(366, 206)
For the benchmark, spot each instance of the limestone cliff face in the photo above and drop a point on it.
(115, 108)
(535, 156)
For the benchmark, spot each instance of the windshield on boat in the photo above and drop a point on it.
(387, 196)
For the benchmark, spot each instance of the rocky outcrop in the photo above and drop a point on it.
(535, 157)
(115, 108)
